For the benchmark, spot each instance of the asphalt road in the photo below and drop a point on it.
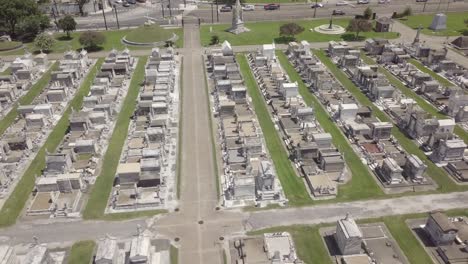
(138, 16)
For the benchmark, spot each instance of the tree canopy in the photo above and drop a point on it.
(359, 25)
(290, 29)
(22, 16)
(44, 42)
(67, 24)
(91, 40)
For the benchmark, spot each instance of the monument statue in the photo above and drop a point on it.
(237, 20)
(331, 22)
(416, 39)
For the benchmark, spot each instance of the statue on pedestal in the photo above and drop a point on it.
(237, 20)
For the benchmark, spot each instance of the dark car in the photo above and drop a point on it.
(125, 4)
(338, 12)
(421, 0)
(225, 9)
(131, 2)
(271, 6)
(317, 5)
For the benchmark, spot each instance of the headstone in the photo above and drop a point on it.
(439, 22)
(237, 20)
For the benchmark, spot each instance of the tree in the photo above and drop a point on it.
(290, 30)
(81, 4)
(407, 12)
(12, 12)
(214, 40)
(92, 39)
(367, 13)
(31, 26)
(466, 22)
(67, 24)
(44, 42)
(359, 25)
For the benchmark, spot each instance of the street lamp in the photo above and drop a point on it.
(116, 16)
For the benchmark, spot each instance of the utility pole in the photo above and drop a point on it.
(116, 17)
(448, 4)
(424, 7)
(162, 8)
(104, 15)
(170, 9)
(212, 16)
(440, 1)
(217, 11)
(185, 3)
(55, 19)
(315, 8)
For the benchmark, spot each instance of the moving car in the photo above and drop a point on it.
(118, 1)
(421, 0)
(125, 4)
(131, 2)
(271, 6)
(248, 7)
(341, 3)
(362, 2)
(338, 12)
(225, 9)
(317, 5)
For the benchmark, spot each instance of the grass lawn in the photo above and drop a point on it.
(443, 81)
(149, 34)
(436, 173)
(18, 198)
(174, 254)
(33, 92)
(113, 40)
(81, 252)
(362, 184)
(6, 72)
(100, 191)
(266, 32)
(214, 147)
(7, 45)
(455, 24)
(293, 185)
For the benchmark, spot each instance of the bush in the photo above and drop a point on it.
(465, 32)
(214, 40)
(407, 12)
(91, 40)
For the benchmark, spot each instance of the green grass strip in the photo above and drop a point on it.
(425, 105)
(362, 184)
(26, 99)
(179, 139)
(437, 77)
(293, 185)
(18, 198)
(81, 252)
(102, 188)
(214, 147)
(436, 173)
(174, 255)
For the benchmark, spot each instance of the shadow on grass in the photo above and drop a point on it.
(352, 37)
(64, 38)
(284, 39)
(91, 49)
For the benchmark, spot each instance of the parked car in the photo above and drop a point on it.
(125, 4)
(225, 9)
(131, 2)
(421, 0)
(118, 1)
(248, 7)
(317, 5)
(338, 12)
(363, 2)
(341, 3)
(271, 6)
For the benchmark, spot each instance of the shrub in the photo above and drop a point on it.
(91, 40)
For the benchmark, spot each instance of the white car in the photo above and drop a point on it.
(341, 3)
(363, 2)
(118, 1)
(248, 7)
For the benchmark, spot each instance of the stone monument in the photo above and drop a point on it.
(439, 22)
(238, 20)
(418, 32)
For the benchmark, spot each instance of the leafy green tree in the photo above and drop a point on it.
(12, 12)
(67, 24)
(31, 26)
(44, 42)
(359, 25)
(367, 13)
(290, 30)
(91, 40)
